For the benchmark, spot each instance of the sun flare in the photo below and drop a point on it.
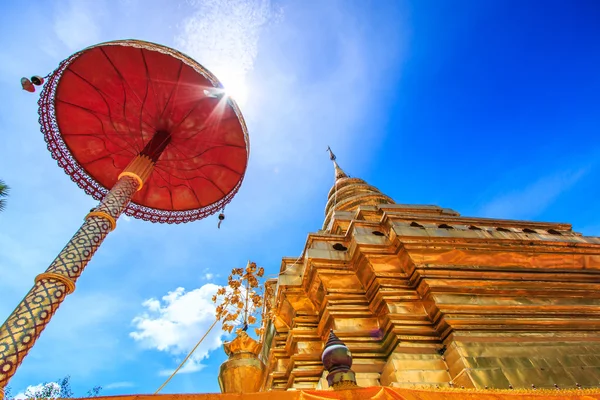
(235, 86)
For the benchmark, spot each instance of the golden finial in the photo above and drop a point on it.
(331, 155)
(339, 173)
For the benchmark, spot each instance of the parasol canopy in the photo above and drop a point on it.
(104, 104)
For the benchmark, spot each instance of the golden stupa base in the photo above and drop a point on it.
(243, 371)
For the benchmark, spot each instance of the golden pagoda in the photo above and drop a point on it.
(427, 299)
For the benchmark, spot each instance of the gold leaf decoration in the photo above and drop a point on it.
(244, 301)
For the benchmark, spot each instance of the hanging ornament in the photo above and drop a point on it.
(37, 80)
(221, 218)
(27, 85)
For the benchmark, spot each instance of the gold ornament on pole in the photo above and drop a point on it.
(241, 303)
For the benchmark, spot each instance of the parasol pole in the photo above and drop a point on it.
(25, 324)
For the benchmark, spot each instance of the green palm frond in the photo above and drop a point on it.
(4, 189)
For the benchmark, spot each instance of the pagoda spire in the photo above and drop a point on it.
(339, 173)
(347, 194)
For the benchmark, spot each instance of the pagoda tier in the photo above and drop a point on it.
(425, 297)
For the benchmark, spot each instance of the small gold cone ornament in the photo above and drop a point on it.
(243, 372)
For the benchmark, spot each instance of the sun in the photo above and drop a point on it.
(235, 87)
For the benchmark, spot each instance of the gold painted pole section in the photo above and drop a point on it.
(22, 328)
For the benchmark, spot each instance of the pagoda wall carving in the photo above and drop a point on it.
(423, 297)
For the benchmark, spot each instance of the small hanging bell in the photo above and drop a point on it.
(214, 93)
(221, 218)
(37, 80)
(27, 85)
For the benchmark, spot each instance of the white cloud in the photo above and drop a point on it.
(532, 200)
(76, 25)
(224, 35)
(208, 276)
(118, 385)
(175, 324)
(190, 366)
(48, 390)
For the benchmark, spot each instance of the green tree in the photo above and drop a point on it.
(52, 390)
(95, 391)
(3, 194)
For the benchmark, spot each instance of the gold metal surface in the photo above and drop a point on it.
(69, 284)
(347, 384)
(347, 194)
(107, 216)
(139, 169)
(243, 371)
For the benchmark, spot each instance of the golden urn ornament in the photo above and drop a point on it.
(243, 371)
(240, 304)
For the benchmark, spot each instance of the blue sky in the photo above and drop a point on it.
(491, 108)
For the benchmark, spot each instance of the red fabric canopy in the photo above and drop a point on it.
(104, 104)
(381, 393)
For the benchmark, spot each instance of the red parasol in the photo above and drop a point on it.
(104, 105)
(147, 122)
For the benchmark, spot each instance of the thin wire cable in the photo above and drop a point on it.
(187, 357)
(291, 266)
